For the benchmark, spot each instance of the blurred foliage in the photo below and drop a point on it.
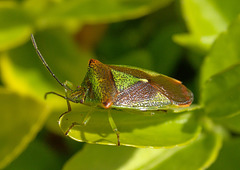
(195, 41)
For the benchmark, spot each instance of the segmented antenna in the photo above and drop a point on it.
(45, 63)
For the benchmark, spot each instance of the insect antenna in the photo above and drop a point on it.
(45, 63)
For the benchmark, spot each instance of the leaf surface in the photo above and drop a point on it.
(202, 152)
(205, 20)
(224, 54)
(21, 118)
(221, 93)
(95, 11)
(15, 27)
(139, 129)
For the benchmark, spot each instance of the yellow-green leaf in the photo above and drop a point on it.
(205, 20)
(224, 53)
(21, 118)
(139, 129)
(15, 27)
(220, 93)
(199, 154)
(228, 156)
(95, 11)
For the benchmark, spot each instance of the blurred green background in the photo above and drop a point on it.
(194, 41)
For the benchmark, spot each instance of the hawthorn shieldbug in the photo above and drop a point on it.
(122, 87)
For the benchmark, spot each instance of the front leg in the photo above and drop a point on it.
(83, 123)
(69, 110)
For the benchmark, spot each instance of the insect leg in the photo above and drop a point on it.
(68, 130)
(69, 109)
(68, 103)
(86, 118)
(113, 126)
(84, 122)
(51, 92)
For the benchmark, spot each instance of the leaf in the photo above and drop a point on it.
(197, 155)
(94, 11)
(231, 122)
(105, 157)
(137, 129)
(220, 93)
(228, 156)
(40, 155)
(205, 20)
(224, 53)
(15, 27)
(194, 43)
(22, 117)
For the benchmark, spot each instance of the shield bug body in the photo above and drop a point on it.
(121, 87)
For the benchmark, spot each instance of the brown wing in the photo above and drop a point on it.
(171, 88)
(141, 95)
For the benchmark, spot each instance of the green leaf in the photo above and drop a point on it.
(37, 156)
(197, 155)
(202, 153)
(220, 93)
(231, 122)
(95, 11)
(139, 129)
(224, 53)
(228, 156)
(105, 157)
(22, 117)
(15, 27)
(194, 43)
(205, 20)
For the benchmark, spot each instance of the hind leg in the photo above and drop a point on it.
(114, 127)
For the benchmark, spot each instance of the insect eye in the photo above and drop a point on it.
(92, 63)
(81, 101)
